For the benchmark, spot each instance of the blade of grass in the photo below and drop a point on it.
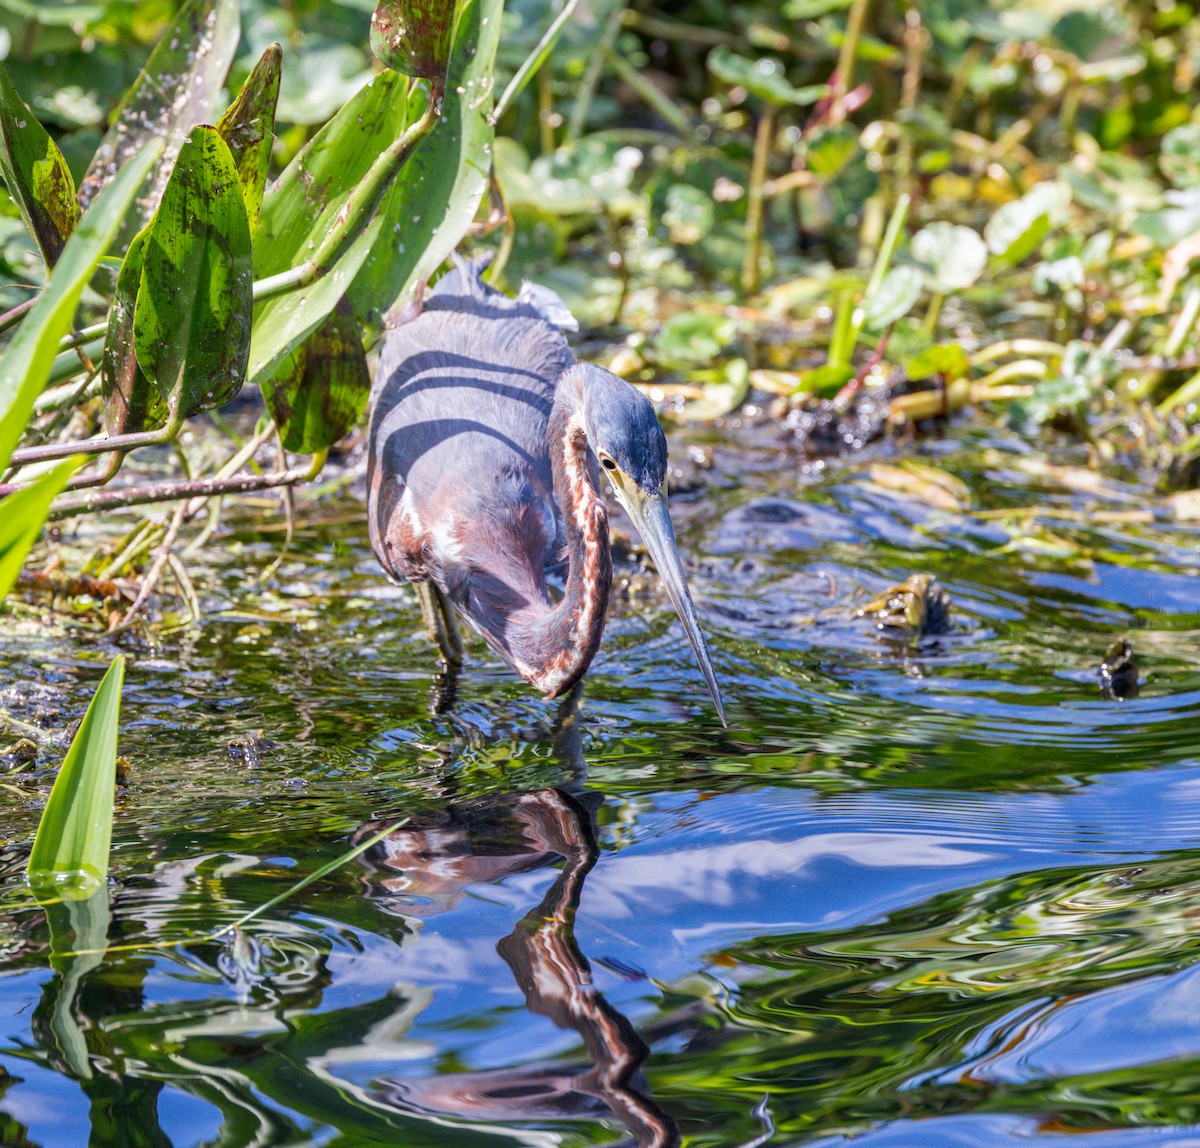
(535, 60)
(24, 514)
(70, 851)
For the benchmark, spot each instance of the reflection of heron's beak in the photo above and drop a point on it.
(649, 514)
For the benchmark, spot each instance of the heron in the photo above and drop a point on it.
(486, 443)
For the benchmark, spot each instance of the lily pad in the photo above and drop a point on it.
(951, 256)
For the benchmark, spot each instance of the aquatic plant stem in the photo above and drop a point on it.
(846, 55)
(534, 60)
(591, 76)
(105, 500)
(751, 269)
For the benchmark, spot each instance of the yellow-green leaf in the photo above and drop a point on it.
(36, 174)
(248, 127)
(22, 516)
(70, 851)
(435, 197)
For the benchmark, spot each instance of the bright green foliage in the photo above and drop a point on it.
(303, 205)
(131, 403)
(24, 514)
(25, 364)
(191, 323)
(413, 36)
(248, 128)
(763, 78)
(175, 91)
(70, 851)
(321, 389)
(427, 212)
(36, 174)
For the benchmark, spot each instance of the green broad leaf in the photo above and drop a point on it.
(693, 337)
(413, 36)
(763, 78)
(437, 193)
(824, 381)
(896, 295)
(952, 257)
(191, 323)
(248, 128)
(321, 390)
(1017, 229)
(22, 516)
(175, 91)
(131, 403)
(946, 359)
(70, 851)
(26, 362)
(36, 174)
(302, 206)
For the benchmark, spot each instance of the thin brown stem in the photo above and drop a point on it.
(751, 269)
(104, 500)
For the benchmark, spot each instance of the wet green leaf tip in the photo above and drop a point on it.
(70, 852)
(414, 37)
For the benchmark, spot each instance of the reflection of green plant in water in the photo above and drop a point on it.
(920, 1015)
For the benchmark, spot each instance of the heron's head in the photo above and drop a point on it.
(623, 432)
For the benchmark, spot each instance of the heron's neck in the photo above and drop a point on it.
(559, 642)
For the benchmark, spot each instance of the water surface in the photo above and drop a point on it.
(930, 892)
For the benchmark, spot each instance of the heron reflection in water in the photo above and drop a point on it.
(486, 444)
(486, 840)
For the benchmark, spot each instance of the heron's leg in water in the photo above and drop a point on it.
(567, 733)
(439, 620)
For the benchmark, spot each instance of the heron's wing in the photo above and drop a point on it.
(549, 305)
(460, 483)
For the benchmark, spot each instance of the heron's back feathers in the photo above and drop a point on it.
(460, 484)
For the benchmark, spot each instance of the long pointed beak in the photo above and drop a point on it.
(649, 514)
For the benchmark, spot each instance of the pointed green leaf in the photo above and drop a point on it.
(36, 174)
(321, 390)
(22, 516)
(303, 205)
(248, 127)
(191, 323)
(427, 212)
(413, 36)
(26, 361)
(174, 92)
(70, 851)
(131, 403)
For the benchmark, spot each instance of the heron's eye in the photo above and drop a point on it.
(607, 462)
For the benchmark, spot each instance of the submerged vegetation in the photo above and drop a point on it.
(936, 262)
